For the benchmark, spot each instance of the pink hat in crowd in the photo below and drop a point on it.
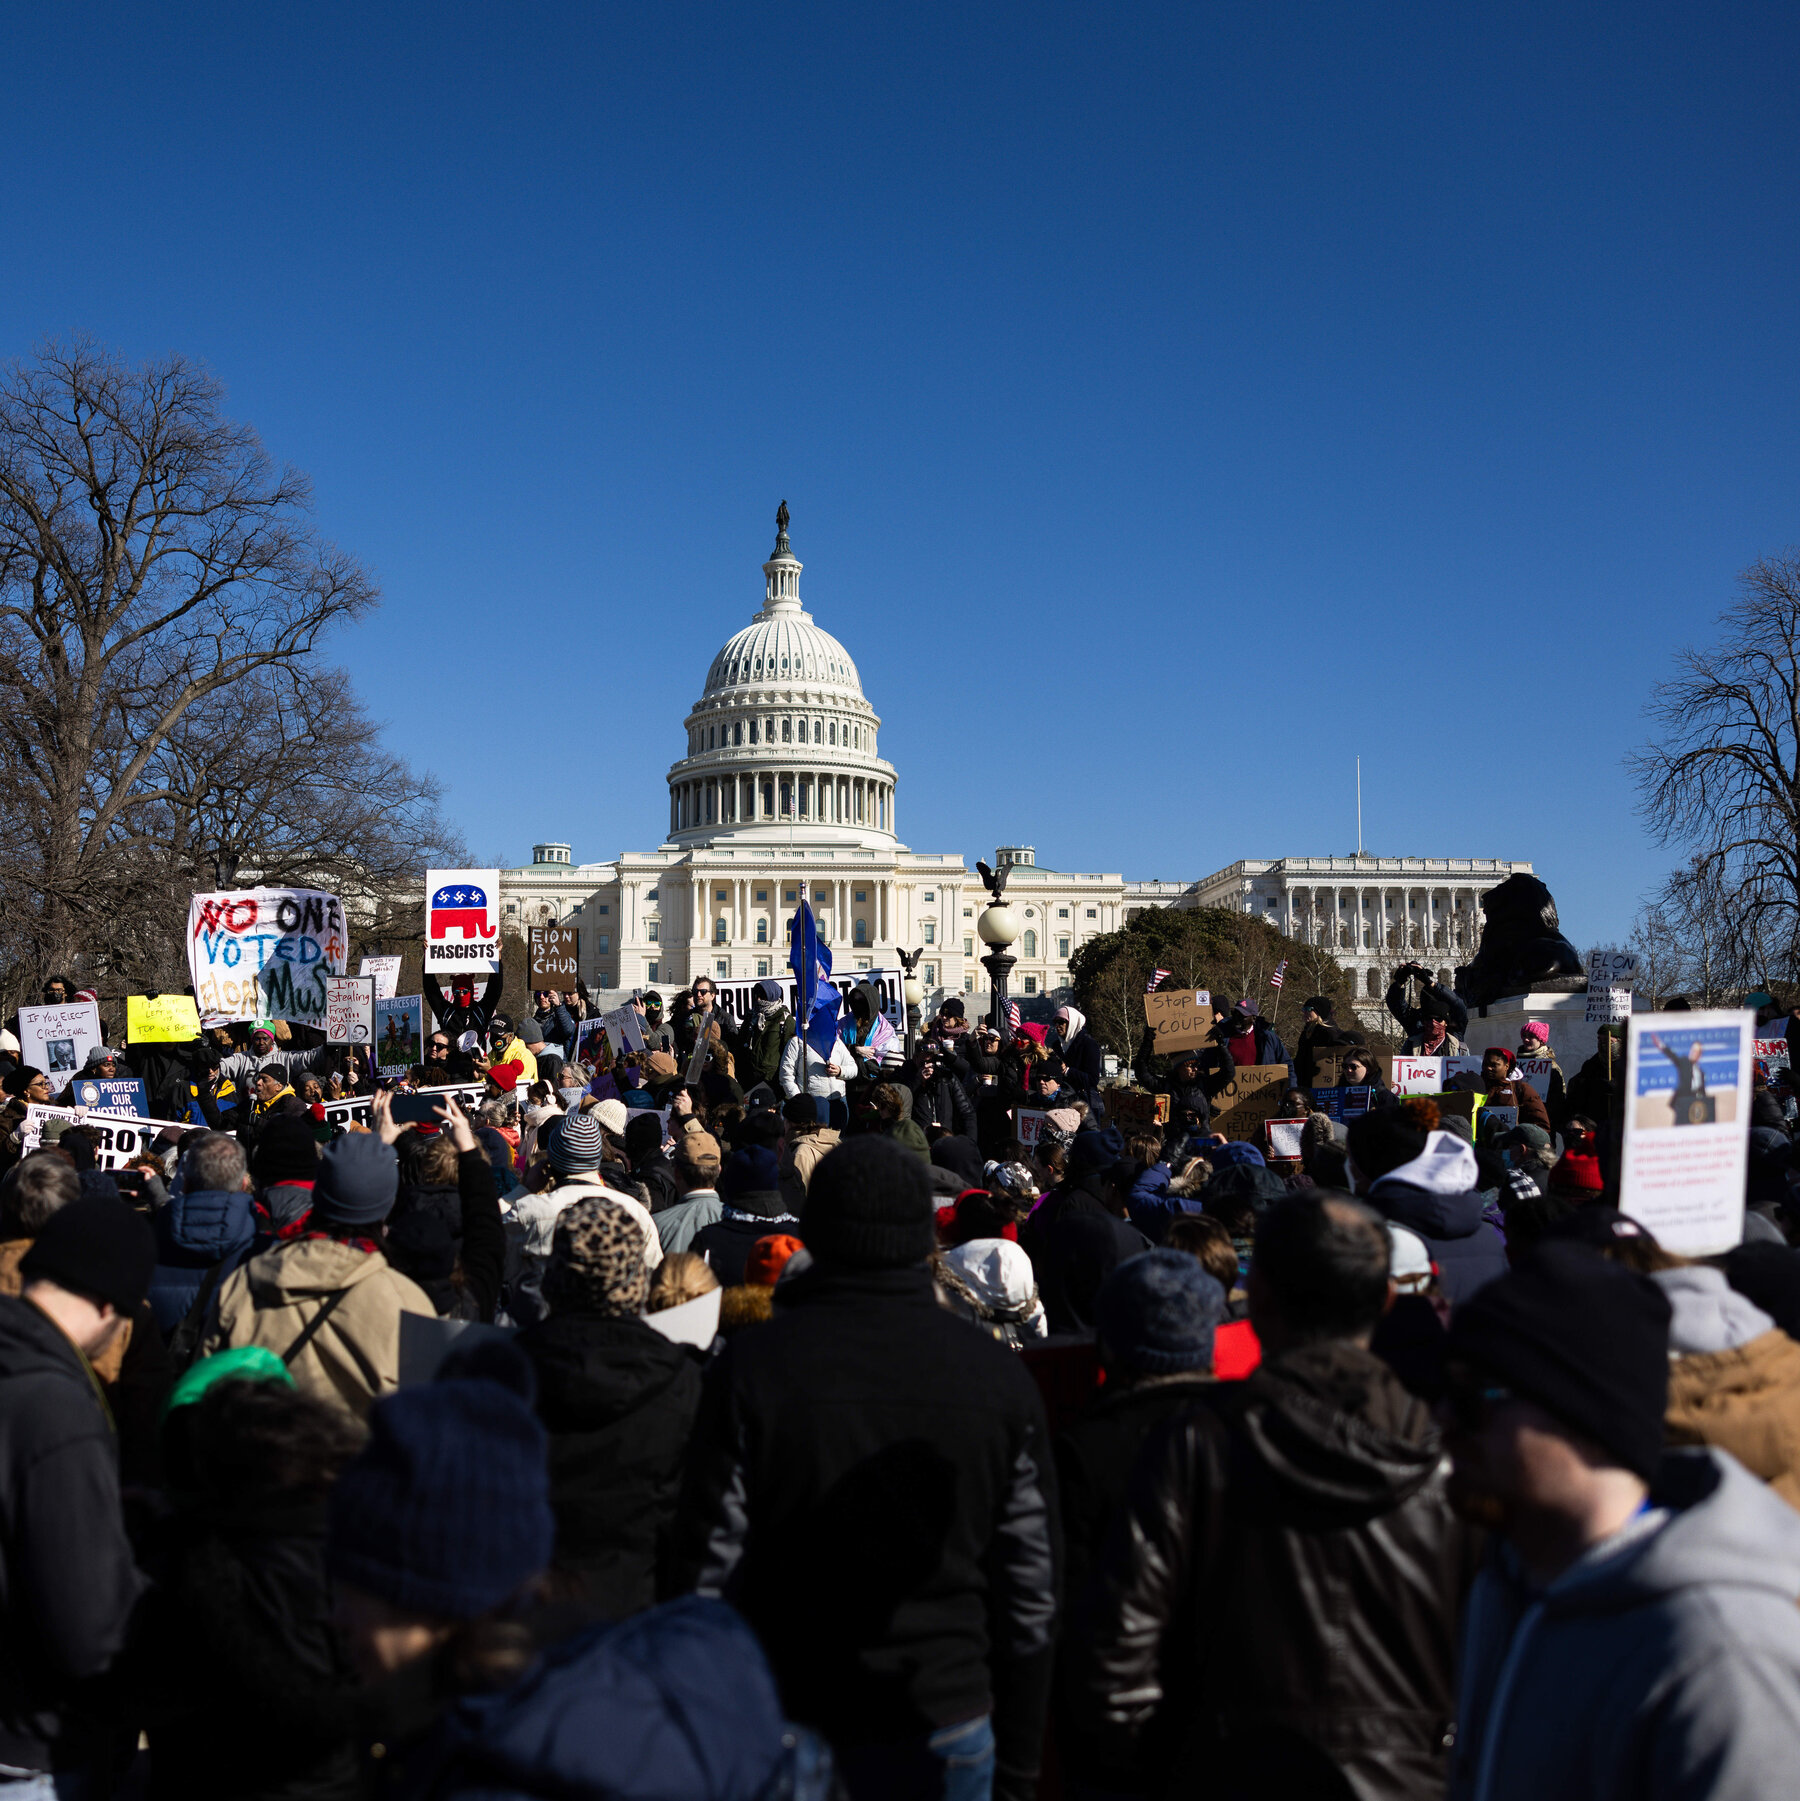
(1536, 1028)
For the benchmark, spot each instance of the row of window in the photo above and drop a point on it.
(725, 737)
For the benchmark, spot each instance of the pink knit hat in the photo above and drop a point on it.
(1535, 1028)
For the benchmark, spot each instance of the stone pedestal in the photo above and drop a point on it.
(1571, 1037)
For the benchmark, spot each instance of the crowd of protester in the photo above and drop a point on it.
(702, 1411)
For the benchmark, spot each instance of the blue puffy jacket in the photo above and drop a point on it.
(194, 1232)
(675, 1701)
(1150, 1205)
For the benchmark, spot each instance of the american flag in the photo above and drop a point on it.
(1156, 975)
(1280, 971)
(1012, 1014)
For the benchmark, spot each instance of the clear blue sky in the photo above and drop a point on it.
(1174, 402)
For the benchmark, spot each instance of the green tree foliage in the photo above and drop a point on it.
(1231, 954)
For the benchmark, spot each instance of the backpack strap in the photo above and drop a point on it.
(313, 1325)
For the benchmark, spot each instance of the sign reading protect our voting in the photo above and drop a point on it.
(58, 1039)
(462, 921)
(1251, 1097)
(1687, 1127)
(1182, 1019)
(554, 961)
(161, 1019)
(111, 1094)
(265, 953)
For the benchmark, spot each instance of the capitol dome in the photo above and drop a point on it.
(781, 743)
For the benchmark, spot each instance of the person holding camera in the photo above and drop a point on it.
(1435, 1025)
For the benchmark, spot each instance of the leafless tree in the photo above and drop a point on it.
(152, 556)
(1723, 780)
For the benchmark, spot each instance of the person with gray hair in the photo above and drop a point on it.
(1300, 1521)
(205, 1231)
(35, 1188)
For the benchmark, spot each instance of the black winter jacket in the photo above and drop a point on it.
(865, 1429)
(1083, 1062)
(657, 1176)
(618, 1400)
(1412, 1019)
(233, 1664)
(1278, 1600)
(67, 1580)
(944, 1103)
(453, 1020)
(1074, 1244)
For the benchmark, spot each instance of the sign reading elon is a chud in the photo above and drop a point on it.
(265, 953)
(462, 921)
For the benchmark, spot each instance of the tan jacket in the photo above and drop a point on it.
(354, 1358)
(1745, 1401)
(799, 1158)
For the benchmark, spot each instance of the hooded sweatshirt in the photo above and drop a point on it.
(1080, 1053)
(1666, 1662)
(990, 1281)
(1435, 1195)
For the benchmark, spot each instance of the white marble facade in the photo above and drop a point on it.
(782, 782)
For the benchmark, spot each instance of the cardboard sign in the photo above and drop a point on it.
(399, 1039)
(1687, 1127)
(112, 1094)
(265, 953)
(1284, 1139)
(117, 1137)
(350, 1010)
(1182, 1021)
(386, 971)
(161, 1019)
(1030, 1126)
(554, 963)
(462, 921)
(1328, 1064)
(58, 1039)
(1240, 1109)
(1131, 1108)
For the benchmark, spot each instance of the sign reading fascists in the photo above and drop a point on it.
(462, 921)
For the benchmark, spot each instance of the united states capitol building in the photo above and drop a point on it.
(782, 782)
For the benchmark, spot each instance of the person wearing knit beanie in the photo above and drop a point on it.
(1581, 1337)
(597, 1261)
(574, 1144)
(1156, 1315)
(869, 1206)
(442, 1517)
(95, 1248)
(1576, 1177)
(769, 1256)
(1095, 1151)
(358, 1177)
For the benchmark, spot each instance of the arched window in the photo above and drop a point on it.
(737, 733)
(834, 731)
(1028, 944)
(722, 933)
(818, 731)
(752, 731)
(762, 931)
(862, 931)
(1374, 981)
(787, 731)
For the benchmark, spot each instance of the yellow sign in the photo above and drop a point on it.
(161, 1019)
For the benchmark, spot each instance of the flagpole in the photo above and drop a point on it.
(1359, 806)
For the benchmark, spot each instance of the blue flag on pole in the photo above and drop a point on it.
(816, 1001)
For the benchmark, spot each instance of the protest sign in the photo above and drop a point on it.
(1342, 1103)
(265, 953)
(1418, 1075)
(554, 962)
(1772, 1057)
(386, 971)
(1687, 1127)
(1328, 1063)
(1468, 1064)
(118, 1137)
(1612, 969)
(111, 1094)
(1537, 1071)
(1284, 1139)
(588, 1033)
(358, 1109)
(462, 921)
(1130, 1108)
(350, 1010)
(1248, 1099)
(161, 1019)
(1500, 1119)
(1030, 1123)
(1605, 1006)
(737, 999)
(399, 1039)
(1181, 1021)
(58, 1039)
